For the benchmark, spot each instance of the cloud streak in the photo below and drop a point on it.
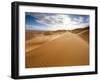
(52, 21)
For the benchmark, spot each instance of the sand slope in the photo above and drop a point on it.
(67, 50)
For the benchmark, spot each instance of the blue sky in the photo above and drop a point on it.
(55, 21)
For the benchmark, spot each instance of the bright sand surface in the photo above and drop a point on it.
(67, 49)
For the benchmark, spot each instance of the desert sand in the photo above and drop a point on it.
(64, 49)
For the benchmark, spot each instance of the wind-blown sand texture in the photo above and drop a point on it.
(59, 48)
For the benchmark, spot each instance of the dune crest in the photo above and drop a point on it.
(67, 49)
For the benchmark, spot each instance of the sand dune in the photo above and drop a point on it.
(85, 35)
(69, 49)
(36, 42)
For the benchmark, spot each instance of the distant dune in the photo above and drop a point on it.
(83, 33)
(80, 30)
(32, 34)
(57, 48)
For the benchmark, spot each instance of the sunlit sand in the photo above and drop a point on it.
(62, 48)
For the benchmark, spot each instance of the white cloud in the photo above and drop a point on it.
(68, 23)
(60, 21)
(79, 19)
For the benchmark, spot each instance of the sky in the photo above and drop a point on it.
(55, 21)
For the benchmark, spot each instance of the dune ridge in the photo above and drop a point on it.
(63, 48)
